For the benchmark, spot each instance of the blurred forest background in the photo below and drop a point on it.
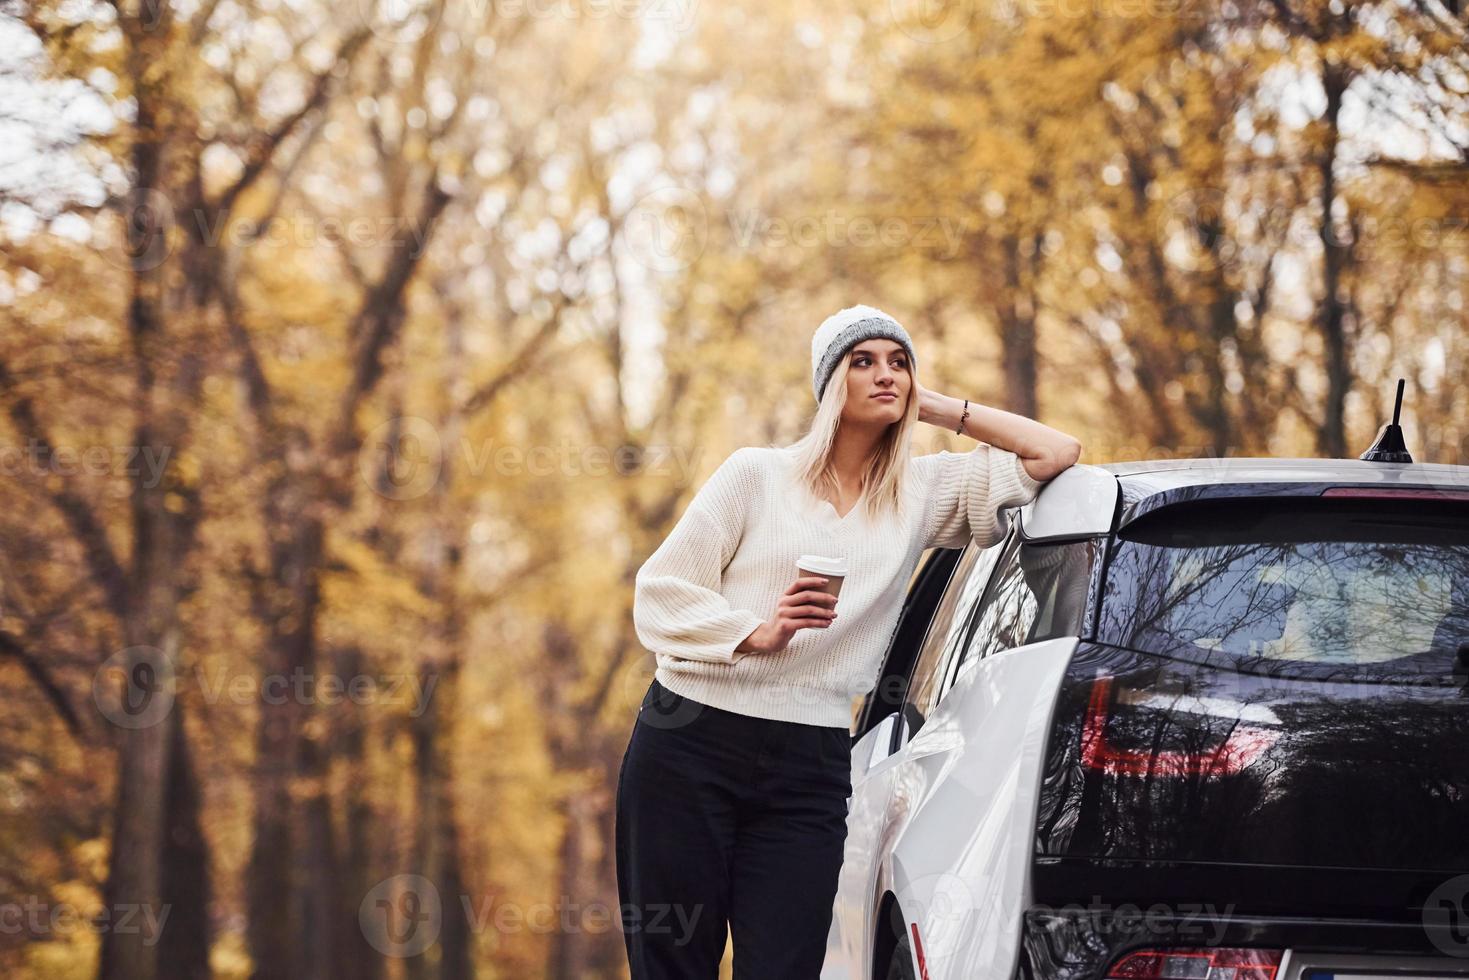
(353, 356)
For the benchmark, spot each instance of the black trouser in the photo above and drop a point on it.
(723, 816)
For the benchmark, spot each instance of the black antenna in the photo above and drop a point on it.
(1389, 447)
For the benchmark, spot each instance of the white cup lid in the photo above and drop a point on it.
(822, 565)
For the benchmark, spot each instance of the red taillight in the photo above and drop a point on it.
(1396, 493)
(1232, 963)
(1240, 747)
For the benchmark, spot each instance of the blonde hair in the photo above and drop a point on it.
(883, 477)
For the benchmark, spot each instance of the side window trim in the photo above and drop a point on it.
(956, 662)
(1007, 553)
(1009, 561)
(1006, 548)
(910, 718)
(984, 562)
(921, 602)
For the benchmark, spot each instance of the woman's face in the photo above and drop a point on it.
(876, 369)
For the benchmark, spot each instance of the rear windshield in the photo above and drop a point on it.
(1299, 585)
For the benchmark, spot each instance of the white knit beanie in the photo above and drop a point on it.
(842, 331)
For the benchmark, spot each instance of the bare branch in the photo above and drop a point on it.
(11, 646)
(382, 311)
(520, 362)
(200, 24)
(264, 147)
(75, 511)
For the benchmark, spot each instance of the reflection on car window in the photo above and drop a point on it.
(1058, 576)
(1039, 594)
(1313, 581)
(945, 630)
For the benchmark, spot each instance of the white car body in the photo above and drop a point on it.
(962, 883)
(945, 823)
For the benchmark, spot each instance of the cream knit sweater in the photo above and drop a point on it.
(732, 554)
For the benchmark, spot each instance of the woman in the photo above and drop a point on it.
(732, 796)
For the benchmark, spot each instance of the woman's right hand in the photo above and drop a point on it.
(801, 606)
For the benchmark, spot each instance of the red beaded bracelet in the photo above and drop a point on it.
(960, 430)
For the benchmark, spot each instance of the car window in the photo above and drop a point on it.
(919, 604)
(1038, 593)
(1298, 586)
(1058, 575)
(945, 630)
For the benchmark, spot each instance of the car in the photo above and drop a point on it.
(1189, 718)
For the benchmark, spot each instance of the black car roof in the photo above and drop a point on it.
(1146, 484)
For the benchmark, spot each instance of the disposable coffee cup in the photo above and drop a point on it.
(834, 570)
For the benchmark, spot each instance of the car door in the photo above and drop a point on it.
(962, 782)
(922, 646)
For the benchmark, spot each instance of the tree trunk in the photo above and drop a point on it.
(361, 864)
(315, 483)
(135, 869)
(322, 869)
(1332, 440)
(275, 885)
(1017, 324)
(183, 951)
(437, 840)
